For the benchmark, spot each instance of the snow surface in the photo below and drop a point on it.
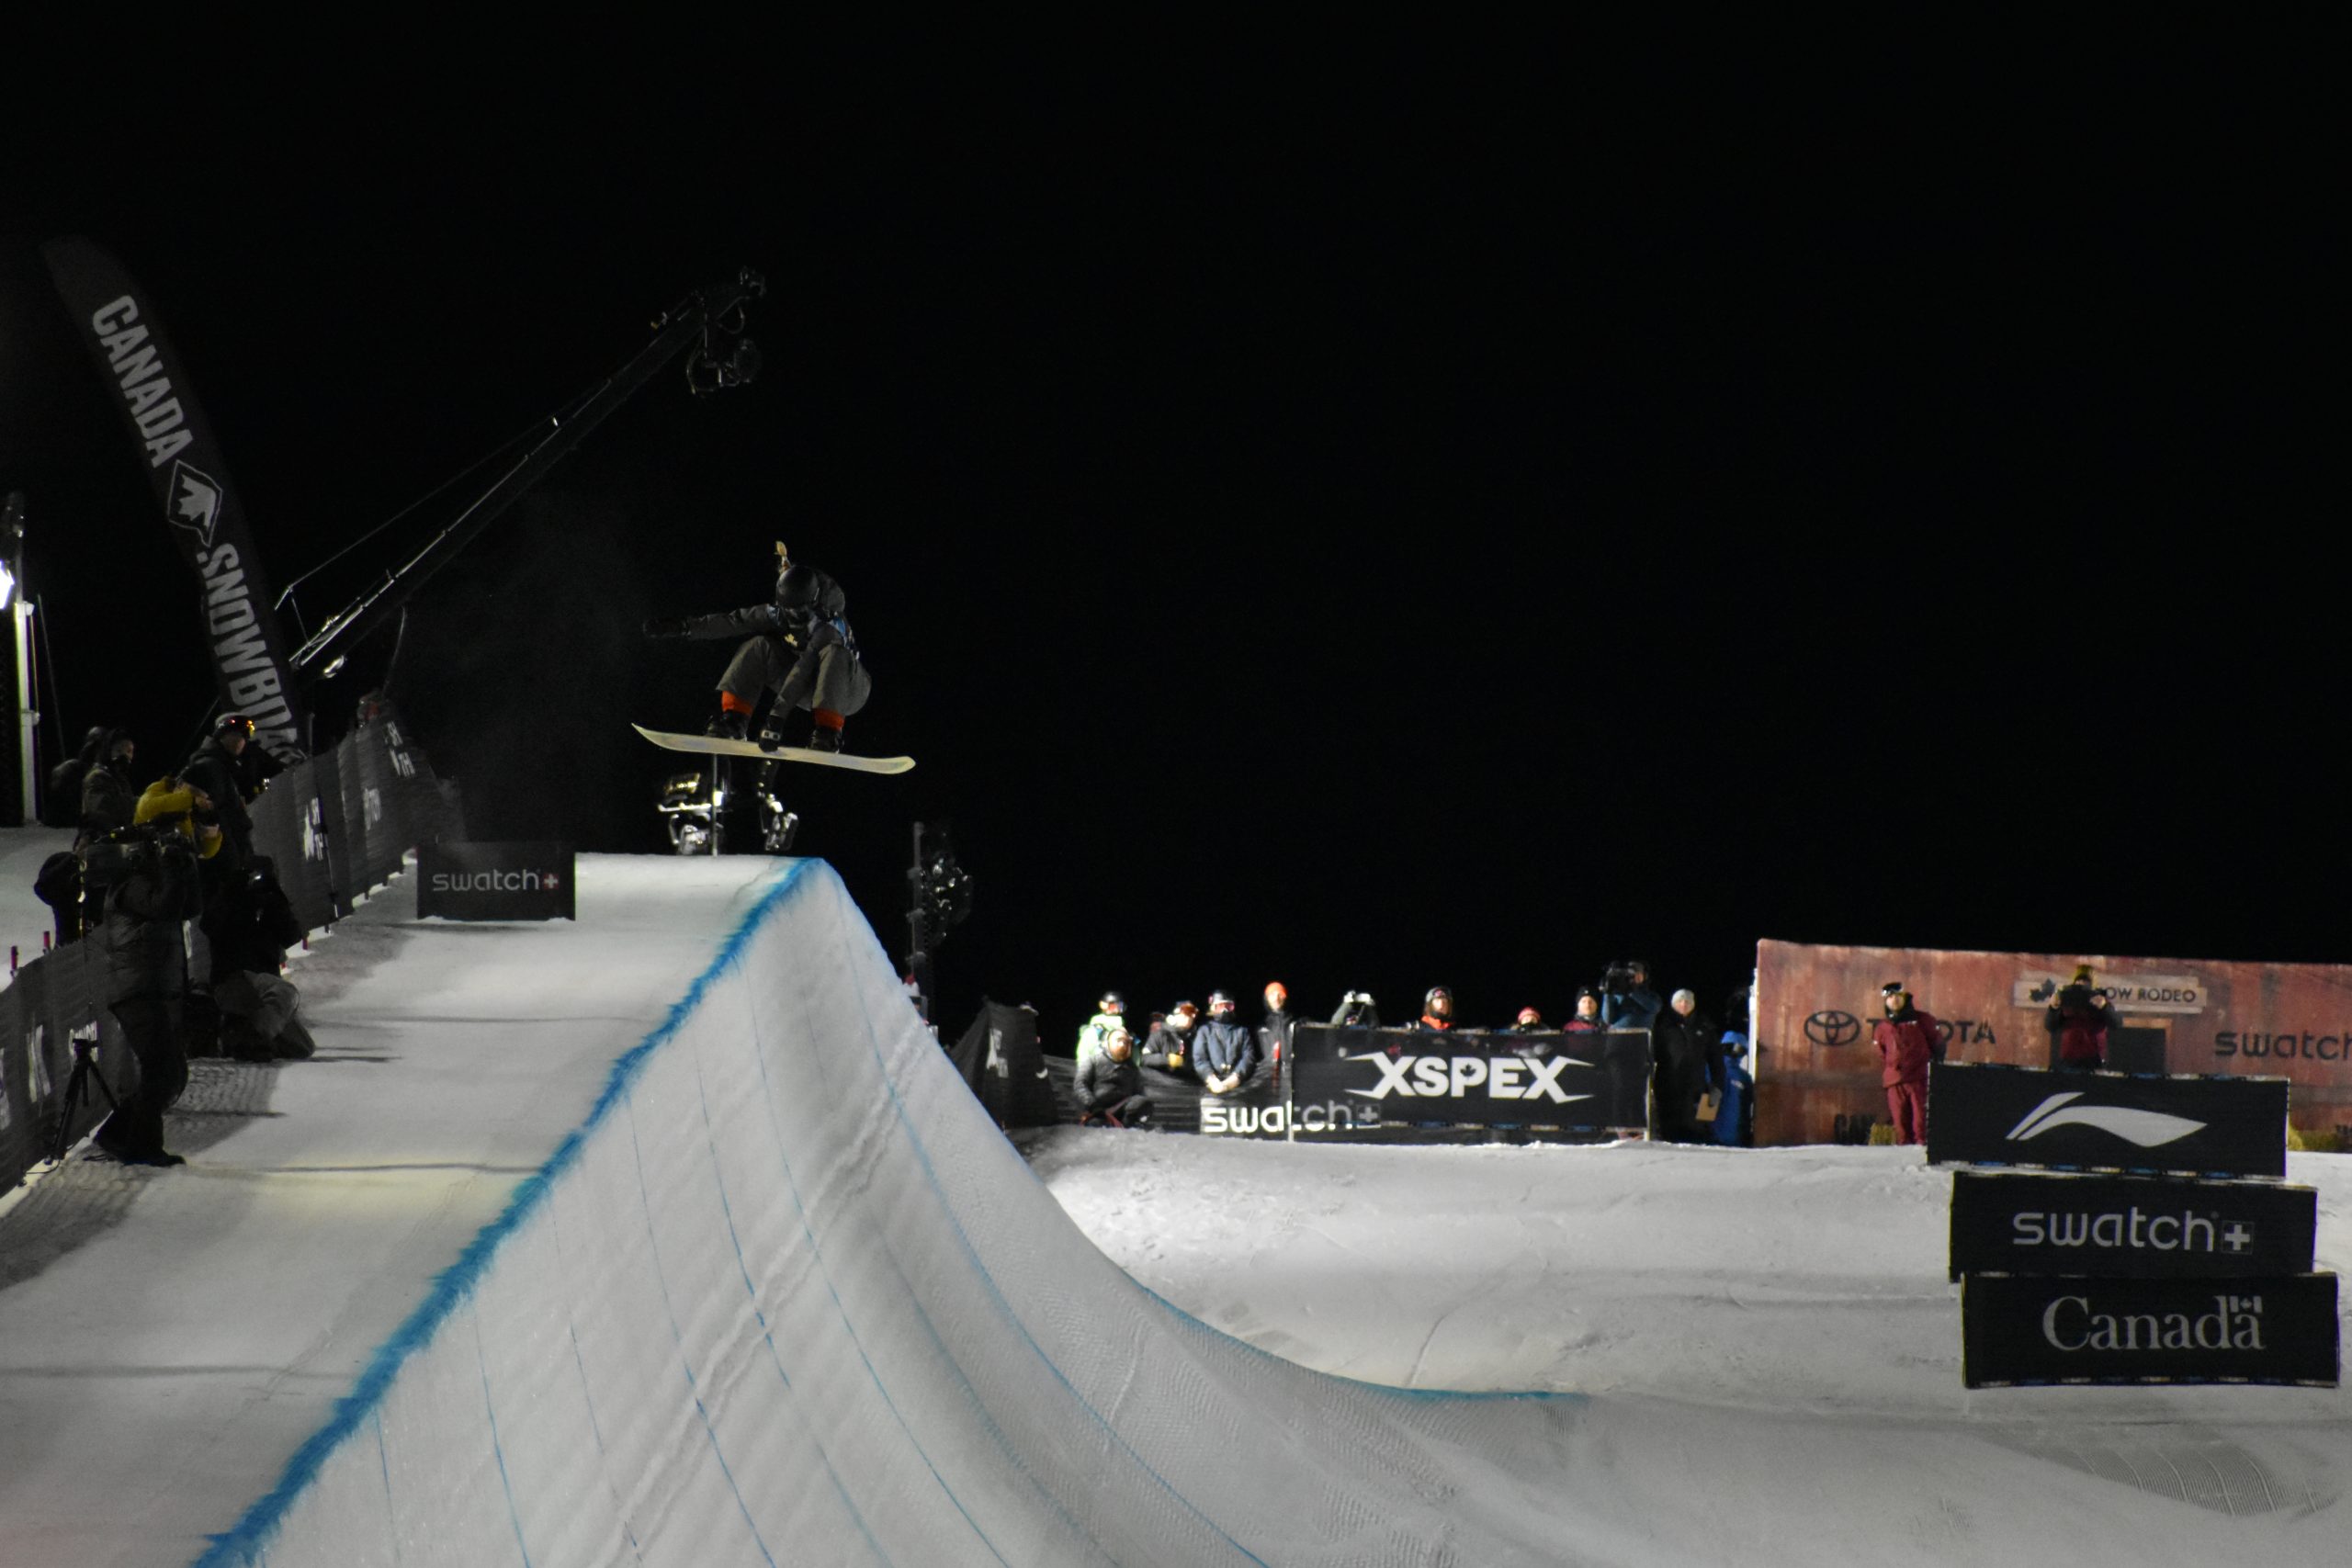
(24, 919)
(783, 1295)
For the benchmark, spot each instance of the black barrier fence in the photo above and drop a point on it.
(336, 825)
(2143, 1226)
(2028, 1329)
(1415, 1086)
(1986, 1114)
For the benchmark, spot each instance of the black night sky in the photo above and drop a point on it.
(1346, 527)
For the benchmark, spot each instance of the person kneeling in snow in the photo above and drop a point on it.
(1110, 1086)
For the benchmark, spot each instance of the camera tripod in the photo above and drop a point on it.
(86, 1073)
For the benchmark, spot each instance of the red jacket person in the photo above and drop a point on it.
(1905, 1039)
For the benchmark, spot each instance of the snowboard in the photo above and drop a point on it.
(717, 746)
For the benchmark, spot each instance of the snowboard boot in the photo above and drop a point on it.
(726, 725)
(825, 731)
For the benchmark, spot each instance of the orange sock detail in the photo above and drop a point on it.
(729, 702)
(828, 719)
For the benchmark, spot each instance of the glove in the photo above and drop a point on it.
(1175, 1060)
(665, 626)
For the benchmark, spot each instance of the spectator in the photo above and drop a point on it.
(1528, 1022)
(1169, 1045)
(1356, 1011)
(1108, 1014)
(214, 769)
(1686, 1060)
(151, 881)
(1274, 1035)
(1734, 1118)
(248, 929)
(109, 799)
(1885, 996)
(62, 801)
(1626, 1000)
(1905, 1039)
(1437, 1009)
(1586, 1020)
(1223, 1052)
(1110, 1087)
(2078, 1018)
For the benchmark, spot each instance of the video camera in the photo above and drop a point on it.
(1623, 975)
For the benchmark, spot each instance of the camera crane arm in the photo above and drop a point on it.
(716, 311)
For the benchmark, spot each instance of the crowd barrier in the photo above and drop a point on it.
(1402, 1086)
(336, 825)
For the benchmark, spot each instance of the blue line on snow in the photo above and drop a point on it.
(242, 1545)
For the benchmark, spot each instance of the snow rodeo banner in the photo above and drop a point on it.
(149, 384)
(1815, 1007)
(1413, 1086)
(494, 881)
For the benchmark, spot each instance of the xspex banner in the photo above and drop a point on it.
(2019, 1329)
(1983, 1114)
(2147, 1226)
(494, 881)
(148, 385)
(1355, 1080)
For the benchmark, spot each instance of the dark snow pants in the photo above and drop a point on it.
(824, 675)
(137, 1126)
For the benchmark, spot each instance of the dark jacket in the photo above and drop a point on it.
(1906, 1043)
(1103, 1083)
(1689, 1056)
(1274, 1036)
(1636, 1008)
(213, 771)
(146, 955)
(1168, 1048)
(251, 923)
(2080, 1026)
(107, 801)
(1222, 1048)
(806, 600)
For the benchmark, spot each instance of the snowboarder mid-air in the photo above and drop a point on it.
(797, 645)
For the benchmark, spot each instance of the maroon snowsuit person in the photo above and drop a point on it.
(1905, 1039)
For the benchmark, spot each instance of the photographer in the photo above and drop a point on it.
(248, 926)
(2078, 1018)
(108, 798)
(1626, 1000)
(148, 874)
(1356, 1011)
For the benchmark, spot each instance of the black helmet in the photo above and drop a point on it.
(1112, 1002)
(1437, 994)
(1220, 999)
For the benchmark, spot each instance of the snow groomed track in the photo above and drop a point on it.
(787, 1296)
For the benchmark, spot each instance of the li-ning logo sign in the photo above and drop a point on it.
(1440, 1077)
(2148, 1129)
